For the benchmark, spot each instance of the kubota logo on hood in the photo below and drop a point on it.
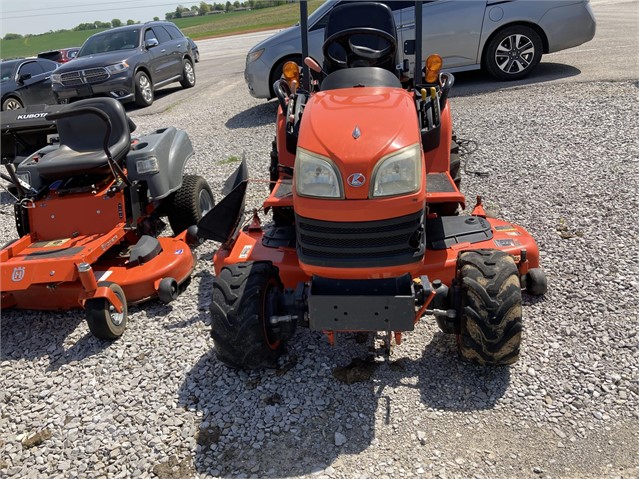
(356, 180)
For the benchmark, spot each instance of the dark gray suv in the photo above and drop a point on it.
(127, 63)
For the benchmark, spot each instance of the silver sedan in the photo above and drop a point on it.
(504, 37)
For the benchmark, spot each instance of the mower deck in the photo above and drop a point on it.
(44, 274)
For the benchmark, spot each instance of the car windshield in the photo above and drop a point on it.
(110, 42)
(321, 10)
(6, 71)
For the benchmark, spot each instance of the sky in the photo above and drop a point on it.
(40, 16)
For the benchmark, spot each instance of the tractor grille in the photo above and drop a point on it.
(83, 77)
(363, 244)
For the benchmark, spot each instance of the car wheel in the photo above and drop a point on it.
(513, 53)
(143, 90)
(277, 71)
(11, 103)
(188, 75)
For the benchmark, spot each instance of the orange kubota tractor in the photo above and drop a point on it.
(365, 234)
(89, 211)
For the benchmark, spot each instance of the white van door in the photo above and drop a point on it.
(451, 28)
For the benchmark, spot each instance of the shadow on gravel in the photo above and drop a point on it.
(259, 115)
(38, 334)
(300, 419)
(447, 383)
(296, 420)
(478, 82)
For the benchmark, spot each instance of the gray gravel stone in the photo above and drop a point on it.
(561, 158)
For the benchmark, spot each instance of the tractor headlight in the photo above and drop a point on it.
(117, 68)
(317, 176)
(399, 173)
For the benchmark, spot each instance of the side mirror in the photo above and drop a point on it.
(22, 78)
(150, 43)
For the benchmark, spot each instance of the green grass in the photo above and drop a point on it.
(229, 160)
(196, 27)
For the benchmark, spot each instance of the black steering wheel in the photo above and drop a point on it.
(356, 53)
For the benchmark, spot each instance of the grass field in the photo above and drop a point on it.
(195, 27)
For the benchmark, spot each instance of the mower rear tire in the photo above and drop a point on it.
(491, 324)
(103, 319)
(190, 203)
(245, 296)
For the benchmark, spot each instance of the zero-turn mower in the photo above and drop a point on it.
(88, 213)
(365, 232)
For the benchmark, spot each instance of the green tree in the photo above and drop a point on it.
(116, 22)
(130, 22)
(12, 36)
(204, 8)
(155, 19)
(169, 15)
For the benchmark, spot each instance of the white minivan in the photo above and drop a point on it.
(504, 37)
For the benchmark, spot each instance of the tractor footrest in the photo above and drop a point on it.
(361, 305)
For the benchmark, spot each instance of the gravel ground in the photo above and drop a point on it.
(562, 161)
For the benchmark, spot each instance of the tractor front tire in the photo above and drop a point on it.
(491, 324)
(245, 296)
(190, 203)
(102, 318)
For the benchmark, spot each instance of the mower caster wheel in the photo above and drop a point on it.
(490, 320)
(103, 319)
(536, 284)
(168, 290)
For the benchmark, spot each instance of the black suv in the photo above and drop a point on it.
(128, 64)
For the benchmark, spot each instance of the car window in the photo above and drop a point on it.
(30, 68)
(149, 35)
(6, 71)
(48, 66)
(174, 32)
(110, 42)
(161, 34)
(393, 4)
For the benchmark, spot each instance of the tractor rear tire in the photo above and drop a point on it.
(455, 162)
(245, 296)
(491, 324)
(102, 318)
(274, 173)
(190, 203)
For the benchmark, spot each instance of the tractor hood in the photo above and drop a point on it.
(356, 127)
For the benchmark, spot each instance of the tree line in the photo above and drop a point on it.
(206, 8)
(203, 9)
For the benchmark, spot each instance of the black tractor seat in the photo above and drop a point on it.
(82, 128)
(360, 77)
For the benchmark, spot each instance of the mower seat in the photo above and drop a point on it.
(360, 77)
(359, 23)
(82, 136)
